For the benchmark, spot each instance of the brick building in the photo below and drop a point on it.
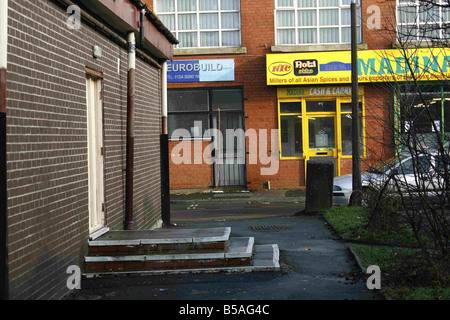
(228, 74)
(67, 131)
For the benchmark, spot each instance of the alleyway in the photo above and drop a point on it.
(314, 264)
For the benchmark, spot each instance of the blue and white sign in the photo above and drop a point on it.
(200, 70)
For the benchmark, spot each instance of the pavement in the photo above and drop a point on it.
(237, 196)
(315, 265)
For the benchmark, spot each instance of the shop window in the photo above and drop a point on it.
(188, 100)
(424, 113)
(314, 21)
(321, 106)
(192, 109)
(320, 117)
(446, 115)
(346, 134)
(422, 20)
(202, 23)
(196, 124)
(421, 109)
(291, 129)
(347, 107)
(291, 136)
(290, 107)
(346, 128)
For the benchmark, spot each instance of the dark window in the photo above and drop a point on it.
(347, 107)
(187, 100)
(421, 108)
(195, 123)
(192, 109)
(226, 99)
(291, 136)
(290, 107)
(321, 106)
(346, 125)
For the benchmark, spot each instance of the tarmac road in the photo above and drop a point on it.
(213, 211)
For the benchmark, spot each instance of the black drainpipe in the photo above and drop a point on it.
(142, 27)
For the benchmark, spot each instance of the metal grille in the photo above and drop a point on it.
(269, 228)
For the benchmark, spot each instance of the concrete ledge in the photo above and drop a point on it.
(98, 233)
(239, 248)
(267, 256)
(161, 236)
(419, 44)
(211, 51)
(315, 48)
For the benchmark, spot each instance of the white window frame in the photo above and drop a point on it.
(219, 12)
(318, 27)
(417, 23)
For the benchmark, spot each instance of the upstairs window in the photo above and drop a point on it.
(202, 23)
(422, 20)
(314, 22)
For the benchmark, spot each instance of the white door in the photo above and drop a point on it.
(95, 154)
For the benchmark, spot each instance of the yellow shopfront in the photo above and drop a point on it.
(316, 122)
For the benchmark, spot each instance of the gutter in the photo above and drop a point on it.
(102, 28)
(4, 266)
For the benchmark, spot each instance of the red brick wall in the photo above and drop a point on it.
(384, 37)
(47, 144)
(187, 176)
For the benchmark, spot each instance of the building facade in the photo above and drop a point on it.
(67, 132)
(285, 65)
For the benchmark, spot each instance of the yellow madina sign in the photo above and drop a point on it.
(373, 66)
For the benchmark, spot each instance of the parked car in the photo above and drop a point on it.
(398, 170)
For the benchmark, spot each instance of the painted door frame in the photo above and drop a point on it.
(95, 136)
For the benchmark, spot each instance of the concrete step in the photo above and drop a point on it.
(265, 259)
(147, 242)
(238, 253)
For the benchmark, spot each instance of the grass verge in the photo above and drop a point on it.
(404, 273)
(351, 223)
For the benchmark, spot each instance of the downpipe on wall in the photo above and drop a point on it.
(164, 141)
(131, 94)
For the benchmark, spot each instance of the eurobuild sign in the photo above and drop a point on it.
(200, 70)
(373, 66)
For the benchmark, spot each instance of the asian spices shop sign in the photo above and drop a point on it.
(200, 70)
(373, 66)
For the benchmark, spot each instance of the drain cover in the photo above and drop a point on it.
(274, 227)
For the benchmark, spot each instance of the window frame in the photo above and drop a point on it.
(198, 30)
(210, 112)
(317, 8)
(417, 23)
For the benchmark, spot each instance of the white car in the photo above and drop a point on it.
(399, 169)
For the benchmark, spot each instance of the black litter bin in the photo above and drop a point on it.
(319, 184)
